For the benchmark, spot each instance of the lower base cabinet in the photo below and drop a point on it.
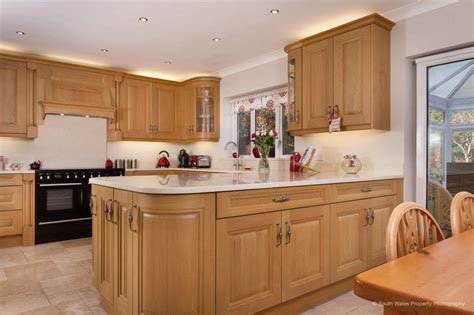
(154, 254)
(266, 259)
(168, 254)
(358, 235)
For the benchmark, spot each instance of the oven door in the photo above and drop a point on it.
(59, 202)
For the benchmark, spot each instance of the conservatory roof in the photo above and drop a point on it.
(451, 82)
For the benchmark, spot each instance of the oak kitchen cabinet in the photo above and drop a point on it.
(348, 66)
(152, 227)
(201, 108)
(148, 110)
(17, 194)
(358, 235)
(258, 251)
(13, 98)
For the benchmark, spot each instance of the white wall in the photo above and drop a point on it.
(443, 28)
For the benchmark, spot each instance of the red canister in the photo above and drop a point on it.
(294, 159)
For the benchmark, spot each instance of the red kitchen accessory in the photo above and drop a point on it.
(163, 161)
(294, 160)
(109, 163)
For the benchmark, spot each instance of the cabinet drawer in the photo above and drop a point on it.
(235, 203)
(11, 198)
(11, 222)
(11, 179)
(363, 190)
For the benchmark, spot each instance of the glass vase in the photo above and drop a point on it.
(264, 164)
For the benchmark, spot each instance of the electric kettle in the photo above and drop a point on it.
(163, 161)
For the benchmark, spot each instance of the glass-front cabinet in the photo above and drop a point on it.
(293, 108)
(202, 109)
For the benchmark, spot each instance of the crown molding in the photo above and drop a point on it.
(416, 8)
(251, 63)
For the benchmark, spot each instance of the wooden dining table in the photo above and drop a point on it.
(438, 279)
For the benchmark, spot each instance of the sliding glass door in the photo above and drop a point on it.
(449, 148)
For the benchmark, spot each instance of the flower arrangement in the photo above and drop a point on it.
(263, 140)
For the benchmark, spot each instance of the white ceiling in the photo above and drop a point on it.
(179, 31)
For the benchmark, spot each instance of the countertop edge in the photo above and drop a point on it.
(237, 187)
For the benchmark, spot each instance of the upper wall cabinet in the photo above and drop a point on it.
(201, 106)
(13, 99)
(348, 66)
(148, 110)
(75, 91)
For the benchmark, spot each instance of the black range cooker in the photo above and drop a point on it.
(62, 203)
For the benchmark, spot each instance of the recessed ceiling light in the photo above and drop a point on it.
(20, 33)
(274, 11)
(168, 62)
(104, 50)
(143, 19)
(216, 39)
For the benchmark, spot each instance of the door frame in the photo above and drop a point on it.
(422, 64)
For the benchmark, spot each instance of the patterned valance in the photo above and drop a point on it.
(268, 99)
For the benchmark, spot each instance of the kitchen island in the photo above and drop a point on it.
(236, 243)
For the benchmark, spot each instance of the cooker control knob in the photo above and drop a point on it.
(83, 175)
(47, 177)
(41, 177)
(75, 176)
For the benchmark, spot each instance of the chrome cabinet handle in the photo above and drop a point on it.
(279, 234)
(281, 199)
(367, 189)
(372, 216)
(130, 218)
(112, 212)
(289, 232)
(91, 204)
(108, 202)
(367, 217)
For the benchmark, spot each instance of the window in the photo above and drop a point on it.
(262, 111)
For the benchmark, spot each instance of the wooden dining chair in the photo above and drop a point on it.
(410, 228)
(462, 212)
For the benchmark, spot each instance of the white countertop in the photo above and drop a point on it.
(204, 183)
(17, 172)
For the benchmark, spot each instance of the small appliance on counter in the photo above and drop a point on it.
(163, 161)
(183, 158)
(200, 161)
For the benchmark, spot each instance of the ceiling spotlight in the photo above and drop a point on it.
(274, 11)
(20, 33)
(62, 114)
(168, 62)
(87, 116)
(216, 39)
(104, 50)
(143, 19)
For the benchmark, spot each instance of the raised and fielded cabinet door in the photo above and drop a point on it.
(348, 238)
(123, 243)
(379, 211)
(248, 263)
(94, 204)
(12, 98)
(136, 108)
(106, 257)
(305, 260)
(352, 76)
(164, 111)
(175, 240)
(317, 83)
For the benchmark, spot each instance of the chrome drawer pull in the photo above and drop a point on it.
(368, 189)
(281, 199)
(279, 234)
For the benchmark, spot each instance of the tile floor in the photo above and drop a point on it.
(48, 279)
(53, 278)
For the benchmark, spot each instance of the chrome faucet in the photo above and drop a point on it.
(237, 163)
